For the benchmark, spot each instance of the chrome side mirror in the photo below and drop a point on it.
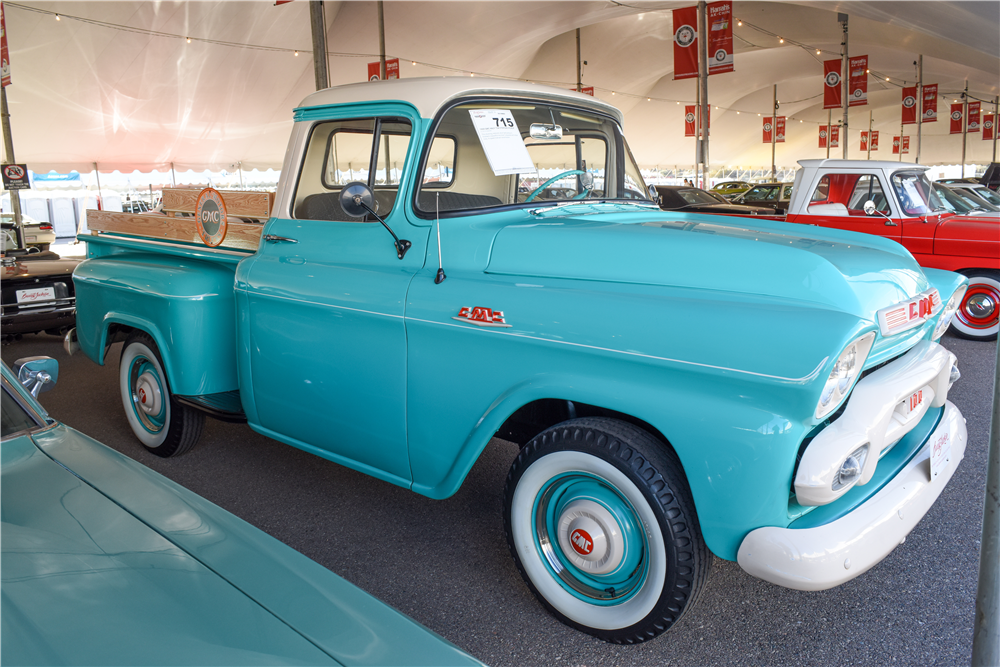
(37, 374)
(871, 209)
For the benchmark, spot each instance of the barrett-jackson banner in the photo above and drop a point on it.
(685, 43)
(720, 40)
(835, 136)
(824, 132)
(720, 37)
(831, 85)
(858, 81)
(956, 118)
(4, 53)
(767, 130)
(905, 143)
(973, 122)
(989, 126)
(929, 108)
(909, 105)
(895, 145)
(781, 130)
(864, 140)
(691, 114)
(874, 140)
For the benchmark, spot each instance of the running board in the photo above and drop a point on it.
(224, 406)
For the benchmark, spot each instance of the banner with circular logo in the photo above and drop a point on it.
(210, 216)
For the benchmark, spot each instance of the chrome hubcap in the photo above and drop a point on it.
(981, 306)
(147, 394)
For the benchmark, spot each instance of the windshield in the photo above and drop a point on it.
(510, 152)
(985, 194)
(915, 193)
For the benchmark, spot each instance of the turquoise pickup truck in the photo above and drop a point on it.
(451, 260)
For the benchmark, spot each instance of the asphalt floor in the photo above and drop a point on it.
(446, 563)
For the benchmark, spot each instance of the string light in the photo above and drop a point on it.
(57, 18)
(739, 23)
(296, 53)
(189, 40)
(781, 40)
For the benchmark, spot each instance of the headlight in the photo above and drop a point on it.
(949, 312)
(844, 373)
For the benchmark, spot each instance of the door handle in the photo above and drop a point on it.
(278, 239)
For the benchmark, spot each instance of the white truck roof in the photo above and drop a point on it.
(429, 94)
(868, 165)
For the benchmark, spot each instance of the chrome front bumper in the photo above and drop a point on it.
(812, 559)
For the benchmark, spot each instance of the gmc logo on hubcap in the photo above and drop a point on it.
(582, 542)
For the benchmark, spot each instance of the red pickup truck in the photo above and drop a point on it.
(896, 200)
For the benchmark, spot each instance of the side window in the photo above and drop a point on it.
(370, 150)
(822, 191)
(868, 188)
(440, 169)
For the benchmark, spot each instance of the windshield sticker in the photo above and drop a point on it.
(502, 142)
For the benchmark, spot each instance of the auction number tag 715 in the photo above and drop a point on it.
(502, 141)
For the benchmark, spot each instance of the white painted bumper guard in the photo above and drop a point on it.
(812, 559)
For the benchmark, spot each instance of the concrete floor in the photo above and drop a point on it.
(446, 563)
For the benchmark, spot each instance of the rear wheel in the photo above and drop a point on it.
(163, 426)
(978, 318)
(602, 527)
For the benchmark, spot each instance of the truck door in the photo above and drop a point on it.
(321, 315)
(838, 201)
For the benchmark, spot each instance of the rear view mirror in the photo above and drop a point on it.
(546, 132)
(37, 374)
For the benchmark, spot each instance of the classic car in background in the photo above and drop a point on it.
(696, 200)
(730, 189)
(36, 290)
(978, 191)
(773, 195)
(957, 200)
(896, 201)
(106, 562)
(36, 234)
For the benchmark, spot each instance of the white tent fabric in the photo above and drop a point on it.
(118, 84)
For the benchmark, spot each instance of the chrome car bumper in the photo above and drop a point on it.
(812, 559)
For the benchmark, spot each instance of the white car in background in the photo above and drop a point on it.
(36, 234)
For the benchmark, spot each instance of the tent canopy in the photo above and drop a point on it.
(120, 85)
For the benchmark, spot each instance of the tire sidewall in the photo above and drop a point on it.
(963, 330)
(663, 597)
(134, 350)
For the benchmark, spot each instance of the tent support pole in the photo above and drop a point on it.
(845, 80)
(381, 40)
(868, 144)
(829, 131)
(774, 134)
(579, 66)
(8, 142)
(703, 86)
(317, 19)
(920, 108)
(965, 122)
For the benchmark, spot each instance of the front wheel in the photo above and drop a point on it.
(163, 426)
(602, 527)
(978, 317)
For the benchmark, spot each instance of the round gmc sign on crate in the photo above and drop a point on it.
(210, 215)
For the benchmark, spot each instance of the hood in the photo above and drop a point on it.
(846, 271)
(725, 208)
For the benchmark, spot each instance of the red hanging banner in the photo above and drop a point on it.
(905, 143)
(685, 43)
(835, 136)
(973, 122)
(864, 140)
(689, 117)
(989, 126)
(909, 105)
(956, 118)
(895, 145)
(720, 37)
(824, 133)
(874, 140)
(767, 130)
(929, 109)
(4, 53)
(831, 85)
(781, 130)
(391, 69)
(858, 67)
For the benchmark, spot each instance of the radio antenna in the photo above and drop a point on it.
(439, 278)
